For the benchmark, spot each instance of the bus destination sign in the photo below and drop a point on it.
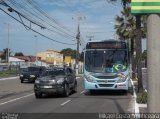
(106, 45)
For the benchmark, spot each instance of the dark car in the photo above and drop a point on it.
(30, 74)
(57, 80)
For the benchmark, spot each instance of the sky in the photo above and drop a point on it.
(97, 21)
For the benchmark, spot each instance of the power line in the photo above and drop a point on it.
(35, 30)
(34, 4)
(37, 17)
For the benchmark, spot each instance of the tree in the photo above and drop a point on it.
(18, 54)
(72, 53)
(5, 52)
(125, 28)
(144, 57)
(69, 52)
(82, 56)
(137, 30)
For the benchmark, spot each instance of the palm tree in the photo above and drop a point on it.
(129, 27)
(125, 28)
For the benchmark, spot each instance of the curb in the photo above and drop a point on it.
(8, 78)
(136, 106)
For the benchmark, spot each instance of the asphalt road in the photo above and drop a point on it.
(19, 98)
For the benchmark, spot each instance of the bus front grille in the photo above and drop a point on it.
(105, 85)
(106, 81)
(107, 77)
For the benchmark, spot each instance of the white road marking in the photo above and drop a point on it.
(145, 90)
(82, 92)
(136, 104)
(65, 102)
(16, 99)
(78, 77)
(2, 79)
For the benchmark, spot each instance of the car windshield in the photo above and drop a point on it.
(54, 72)
(23, 70)
(32, 69)
(99, 60)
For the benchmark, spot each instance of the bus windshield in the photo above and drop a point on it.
(99, 60)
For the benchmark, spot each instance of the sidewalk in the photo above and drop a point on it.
(142, 107)
(8, 78)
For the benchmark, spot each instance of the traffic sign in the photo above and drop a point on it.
(145, 6)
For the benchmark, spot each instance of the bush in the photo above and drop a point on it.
(142, 97)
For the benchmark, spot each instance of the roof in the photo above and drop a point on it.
(27, 58)
(14, 59)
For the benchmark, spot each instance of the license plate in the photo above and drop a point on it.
(47, 86)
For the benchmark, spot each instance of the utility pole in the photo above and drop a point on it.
(78, 41)
(8, 46)
(7, 50)
(90, 37)
(153, 58)
(139, 51)
(36, 48)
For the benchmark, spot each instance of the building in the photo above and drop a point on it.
(29, 60)
(51, 56)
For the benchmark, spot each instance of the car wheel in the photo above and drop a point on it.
(38, 95)
(21, 81)
(66, 90)
(75, 88)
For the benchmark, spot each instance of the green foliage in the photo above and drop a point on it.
(82, 56)
(5, 51)
(72, 53)
(18, 54)
(142, 97)
(125, 24)
(69, 52)
(144, 55)
(9, 72)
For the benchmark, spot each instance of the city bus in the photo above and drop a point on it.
(106, 65)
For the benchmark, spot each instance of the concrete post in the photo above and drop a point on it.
(153, 61)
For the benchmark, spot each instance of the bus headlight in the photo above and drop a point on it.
(90, 79)
(122, 78)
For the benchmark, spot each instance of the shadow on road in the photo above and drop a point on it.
(107, 93)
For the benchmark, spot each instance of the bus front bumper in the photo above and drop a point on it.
(105, 86)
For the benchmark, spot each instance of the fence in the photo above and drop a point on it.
(9, 70)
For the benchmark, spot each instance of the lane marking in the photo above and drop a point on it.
(2, 79)
(136, 104)
(82, 92)
(145, 90)
(16, 99)
(78, 77)
(65, 102)
(134, 92)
